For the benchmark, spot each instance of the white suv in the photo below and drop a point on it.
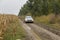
(29, 19)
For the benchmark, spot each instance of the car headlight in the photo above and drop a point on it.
(25, 19)
(32, 20)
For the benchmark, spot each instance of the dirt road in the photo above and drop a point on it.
(45, 34)
(30, 33)
(36, 32)
(49, 28)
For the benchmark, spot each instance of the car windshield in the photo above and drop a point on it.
(28, 17)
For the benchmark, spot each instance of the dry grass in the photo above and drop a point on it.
(50, 20)
(10, 25)
(44, 19)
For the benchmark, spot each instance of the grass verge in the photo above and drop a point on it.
(10, 28)
(50, 20)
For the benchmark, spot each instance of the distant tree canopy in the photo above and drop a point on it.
(40, 7)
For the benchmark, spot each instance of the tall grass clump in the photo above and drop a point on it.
(10, 28)
(44, 18)
(49, 19)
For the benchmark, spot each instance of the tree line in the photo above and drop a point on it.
(40, 7)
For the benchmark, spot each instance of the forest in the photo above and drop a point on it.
(40, 7)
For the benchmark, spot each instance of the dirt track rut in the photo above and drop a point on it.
(30, 33)
(45, 34)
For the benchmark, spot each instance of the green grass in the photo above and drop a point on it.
(14, 33)
(55, 26)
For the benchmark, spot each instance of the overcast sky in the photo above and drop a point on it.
(11, 6)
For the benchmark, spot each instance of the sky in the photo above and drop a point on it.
(11, 6)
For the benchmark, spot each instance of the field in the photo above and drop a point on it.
(10, 28)
(50, 20)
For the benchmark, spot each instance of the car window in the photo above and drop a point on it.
(28, 17)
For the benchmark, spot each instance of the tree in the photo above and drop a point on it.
(41, 7)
